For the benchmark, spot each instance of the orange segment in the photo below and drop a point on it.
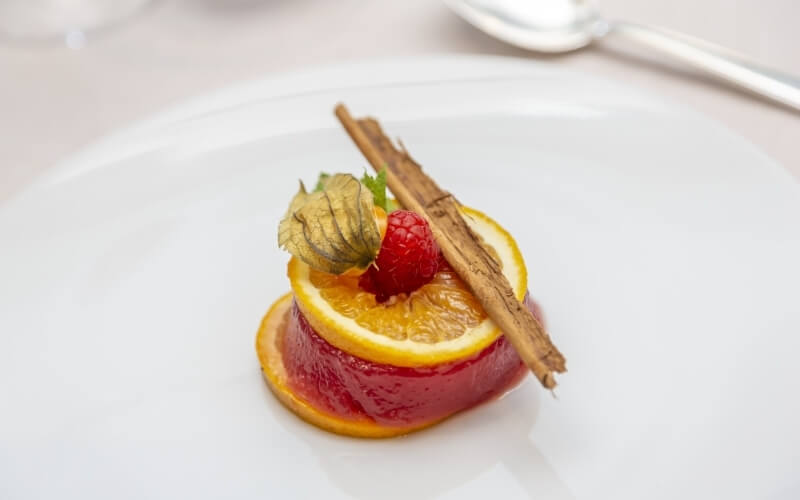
(441, 310)
(268, 348)
(440, 322)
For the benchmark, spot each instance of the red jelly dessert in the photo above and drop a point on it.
(380, 336)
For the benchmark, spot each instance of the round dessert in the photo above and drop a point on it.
(392, 348)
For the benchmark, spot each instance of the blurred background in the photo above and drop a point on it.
(61, 87)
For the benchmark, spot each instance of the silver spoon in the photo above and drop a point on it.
(563, 25)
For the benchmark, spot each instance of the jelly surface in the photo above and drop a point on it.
(353, 388)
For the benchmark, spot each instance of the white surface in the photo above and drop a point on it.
(134, 278)
(55, 100)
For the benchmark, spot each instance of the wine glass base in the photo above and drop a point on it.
(61, 20)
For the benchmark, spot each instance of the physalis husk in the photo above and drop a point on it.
(332, 230)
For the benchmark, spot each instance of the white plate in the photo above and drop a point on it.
(662, 247)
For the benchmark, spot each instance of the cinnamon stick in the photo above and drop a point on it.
(463, 249)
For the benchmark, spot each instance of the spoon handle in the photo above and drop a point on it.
(715, 60)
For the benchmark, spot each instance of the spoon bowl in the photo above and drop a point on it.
(550, 26)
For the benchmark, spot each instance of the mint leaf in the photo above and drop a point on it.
(377, 185)
(321, 181)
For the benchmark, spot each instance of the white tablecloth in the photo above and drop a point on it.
(55, 100)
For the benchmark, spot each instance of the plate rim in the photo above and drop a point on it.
(355, 74)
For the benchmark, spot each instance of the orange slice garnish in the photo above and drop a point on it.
(440, 322)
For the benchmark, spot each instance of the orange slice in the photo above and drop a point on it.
(438, 323)
(269, 354)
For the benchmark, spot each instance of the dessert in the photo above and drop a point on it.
(386, 330)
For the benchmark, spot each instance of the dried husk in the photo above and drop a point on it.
(332, 230)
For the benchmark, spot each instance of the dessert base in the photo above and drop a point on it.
(342, 393)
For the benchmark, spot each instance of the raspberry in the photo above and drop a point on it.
(408, 257)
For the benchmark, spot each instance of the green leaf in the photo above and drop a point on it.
(321, 182)
(377, 185)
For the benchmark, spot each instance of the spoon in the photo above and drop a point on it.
(555, 26)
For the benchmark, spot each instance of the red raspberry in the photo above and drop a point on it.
(408, 257)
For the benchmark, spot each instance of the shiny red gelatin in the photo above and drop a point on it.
(350, 387)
